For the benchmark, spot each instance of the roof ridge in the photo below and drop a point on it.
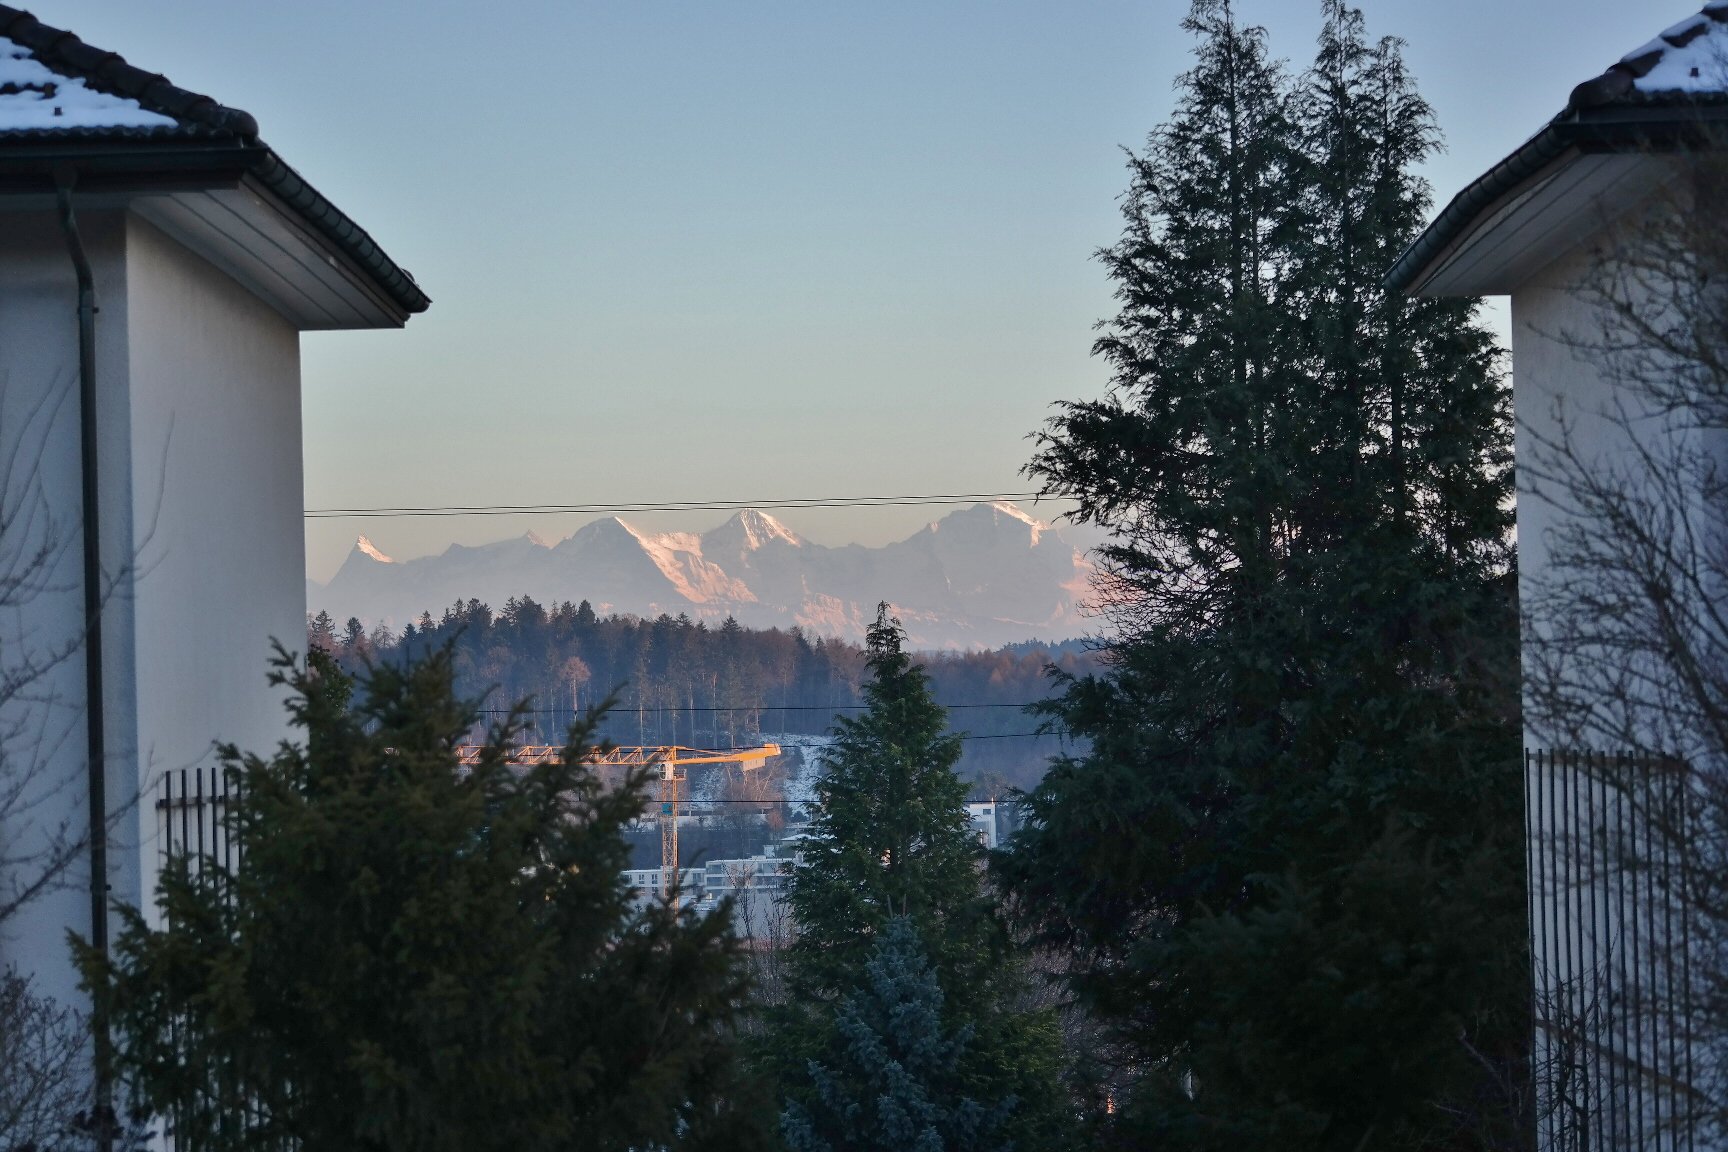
(109, 72)
(1619, 81)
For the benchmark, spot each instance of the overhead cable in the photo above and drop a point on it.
(781, 503)
(626, 710)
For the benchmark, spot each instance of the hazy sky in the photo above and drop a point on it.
(734, 249)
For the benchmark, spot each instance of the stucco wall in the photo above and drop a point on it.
(200, 458)
(1600, 935)
(43, 735)
(1553, 380)
(216, 500)
(1549, 377)
(1561, 374)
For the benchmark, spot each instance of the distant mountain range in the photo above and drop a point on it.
(982, 576)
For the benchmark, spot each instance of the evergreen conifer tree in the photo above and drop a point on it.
(1289, 866)
(407, 954)
(891, 842)
(321, 632)
(889, 1078)
(890, 837)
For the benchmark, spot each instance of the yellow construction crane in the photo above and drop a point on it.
(670, 763)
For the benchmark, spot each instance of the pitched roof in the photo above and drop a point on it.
(1669, 93)
(64, 101)
(1688, 61)
(51, 81)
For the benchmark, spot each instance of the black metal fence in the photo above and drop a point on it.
(1612, 931)
(192, 810)
(191, 816)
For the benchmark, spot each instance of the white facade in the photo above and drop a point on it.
(982, 816)
(198, 398)
(208, 256)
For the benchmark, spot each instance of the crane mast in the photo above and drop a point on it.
(670, 763)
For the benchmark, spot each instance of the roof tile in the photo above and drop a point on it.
(106, 72)
(55, 87)
(1688, 61)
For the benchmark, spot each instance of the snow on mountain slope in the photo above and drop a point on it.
(678, 555)
(749, 531)
(764, 554)
(981, 576)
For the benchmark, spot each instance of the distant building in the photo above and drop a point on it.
(158, 262)
(644, 883)
(756, 885)
(983, 818)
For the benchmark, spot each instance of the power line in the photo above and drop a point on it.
(963, 736)
(767, 801)
(626, 710)
(793, 502)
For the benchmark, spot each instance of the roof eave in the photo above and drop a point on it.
(169, 162)
(1644, 125)
(354, 241)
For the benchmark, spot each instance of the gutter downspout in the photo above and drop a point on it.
(102, 1109)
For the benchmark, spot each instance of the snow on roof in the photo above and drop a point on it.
(55, 87)
(1690, 56)
(33, 96)
(1670, 77)
(95, 91)
(1690, 59)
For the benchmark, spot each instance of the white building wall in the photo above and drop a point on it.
(217, 496)
(39, 424)
(1603, 943)
(200, 460)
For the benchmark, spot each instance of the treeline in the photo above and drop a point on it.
(679, 681)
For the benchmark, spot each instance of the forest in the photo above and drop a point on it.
(678, 681)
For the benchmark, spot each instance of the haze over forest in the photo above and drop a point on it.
(675, 680)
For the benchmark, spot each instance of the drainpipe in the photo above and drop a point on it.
(102, 1109)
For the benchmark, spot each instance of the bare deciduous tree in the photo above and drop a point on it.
(43, 1055)
(34, 721)
(44, 1081)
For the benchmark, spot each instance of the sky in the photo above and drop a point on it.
(686, 250)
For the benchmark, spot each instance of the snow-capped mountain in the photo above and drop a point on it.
(985, 575)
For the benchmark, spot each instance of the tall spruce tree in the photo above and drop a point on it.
(891, 843)
(408, 955)
(1289, 866)
(890, 837)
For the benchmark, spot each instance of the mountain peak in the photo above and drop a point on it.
(604, 527)
(994, 516)
(1014, 512)
(750, 531)
(366, 546)
(759, 528)
(537, 540)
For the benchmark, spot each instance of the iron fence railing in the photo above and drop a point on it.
(191, 816)
(193, 807)
(1612, 929)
